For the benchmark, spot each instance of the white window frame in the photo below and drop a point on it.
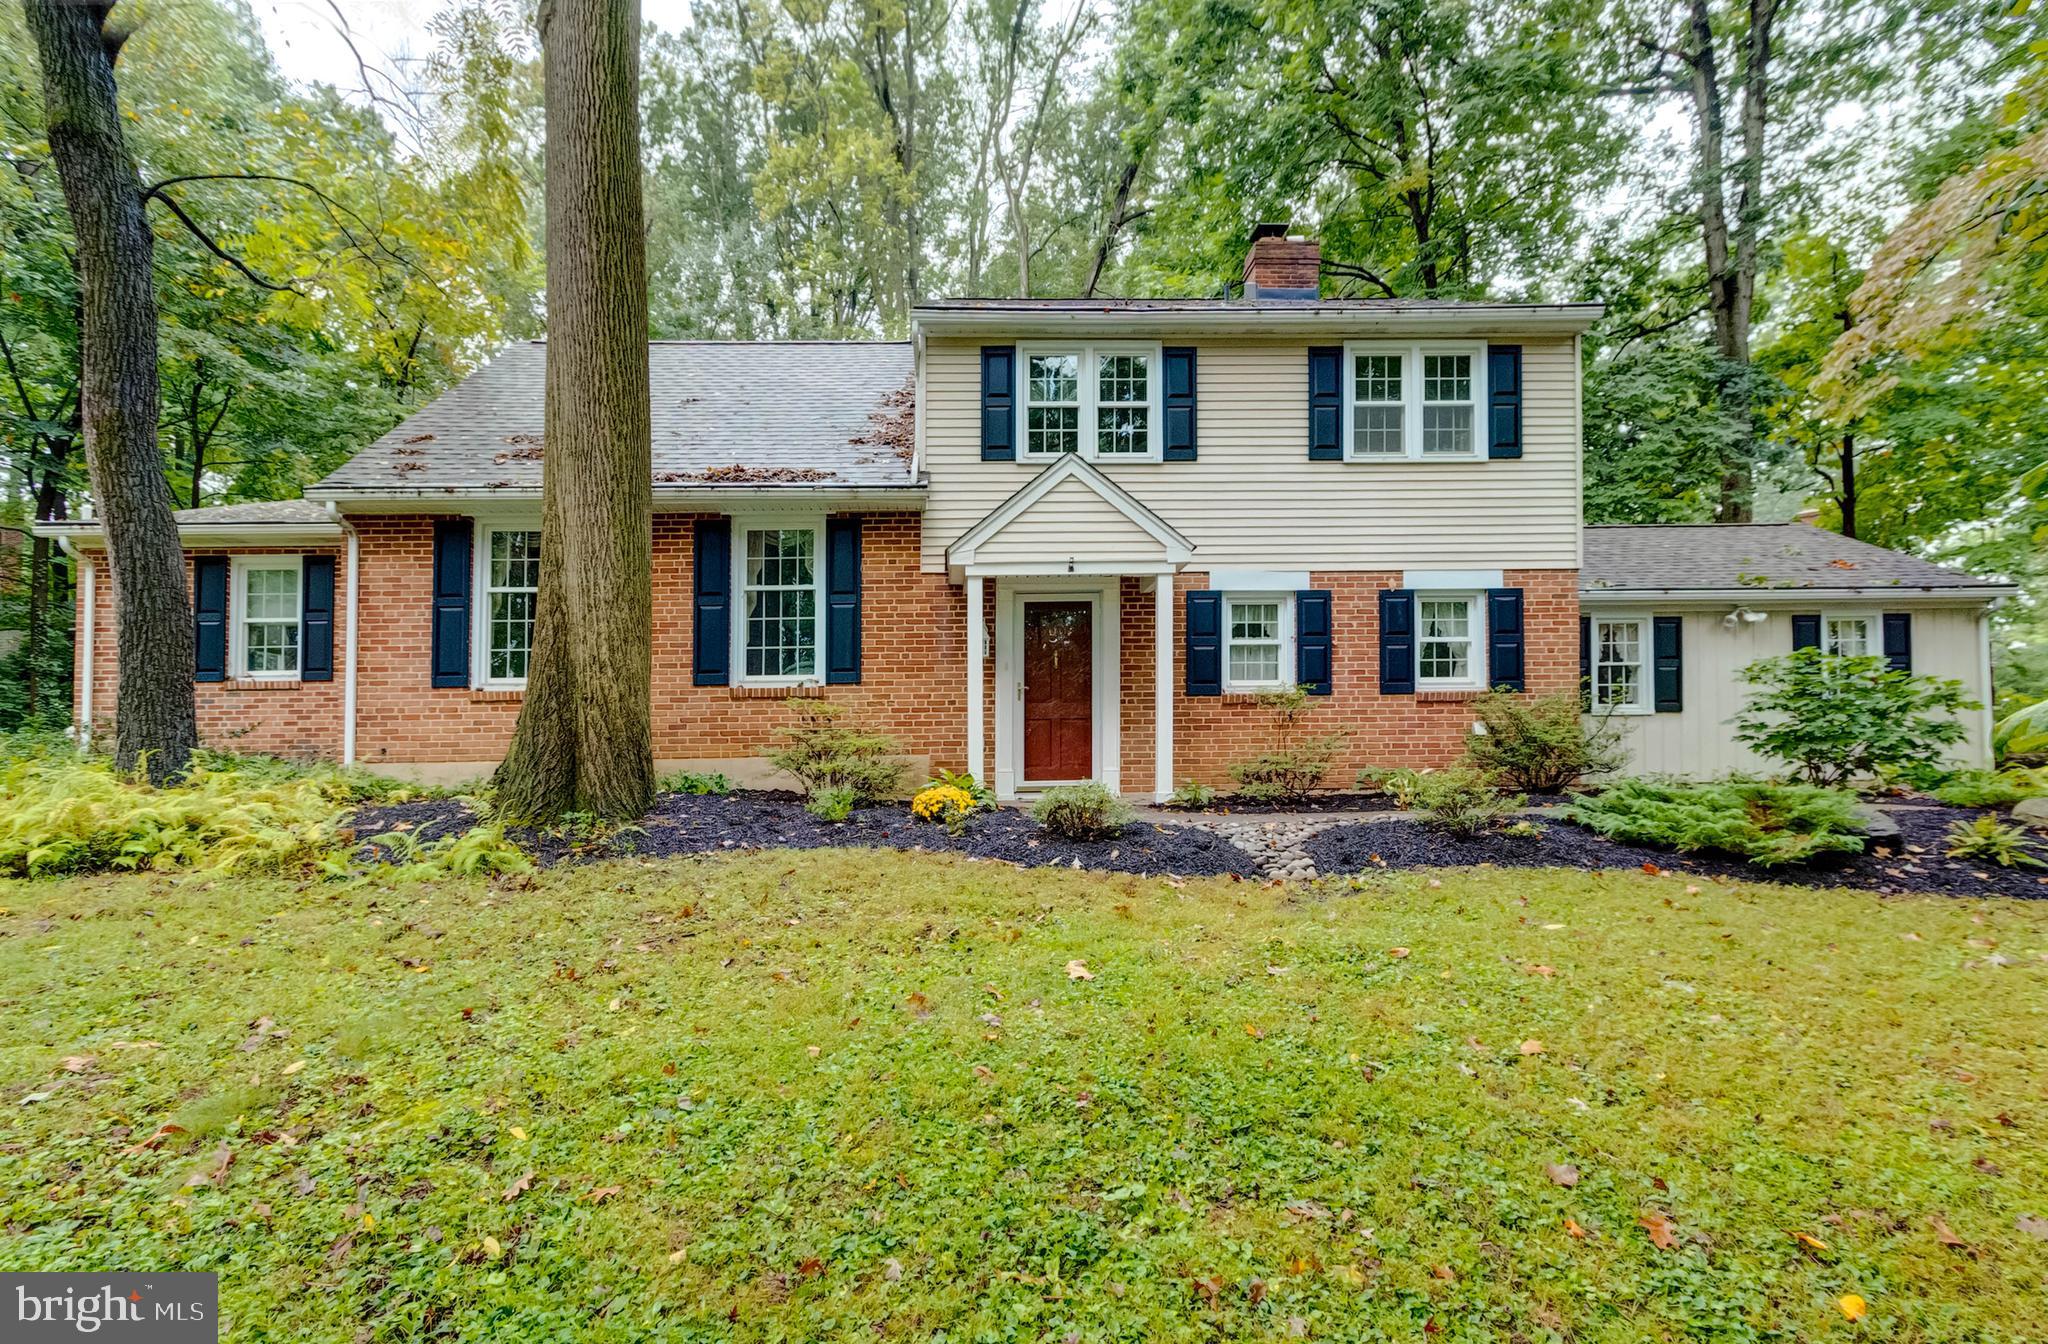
(1476, 669)
(1646, 659)
(741, 527)
(480, 603)
(1873, 630)
(1412, 403)
(1090, 383)
(238, 609)
(1288, 656)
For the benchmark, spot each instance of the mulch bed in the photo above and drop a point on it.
(682, 824)
(1924, 866)
(1232, 804)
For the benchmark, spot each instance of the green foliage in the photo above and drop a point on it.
(1541, 745)
(1460, 800)
(1401, 783)
(1993, 841)
(982, 794)
(825, 753)
(2023, 734)
(1081, 812)
(1991, 788)
(696, 783)
(1524, 829)
(1763, 822)
(833, 802)
(1192, 796)
(480, 851)
(1834, 719)
(1295, 760)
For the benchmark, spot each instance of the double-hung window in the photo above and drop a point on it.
(782, 609)
(1415, 400)
(1620, 661)
(1258, 638)
(510, 574)
(266, 625)
(1448, 651)
(1849, 636)
(1100, 401)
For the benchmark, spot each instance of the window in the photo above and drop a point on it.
(1415, 401)
(266, 626)
(782, 611)
(511, 584)
(1620, 650)
(1848, 636)
(1258, 639)
(1098, 401)
(1447, 654)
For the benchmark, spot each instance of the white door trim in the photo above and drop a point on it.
(1106, 675)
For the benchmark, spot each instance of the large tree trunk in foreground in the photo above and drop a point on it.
(154, 721)
(585, 739)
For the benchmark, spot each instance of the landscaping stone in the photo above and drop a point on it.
(1880, 830)
(2031, 812)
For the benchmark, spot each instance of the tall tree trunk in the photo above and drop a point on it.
(155, 724)
(1847, 494)
(585, 736)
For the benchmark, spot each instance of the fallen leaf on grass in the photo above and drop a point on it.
(1852, 1306)
(216, 1169)
(1573, 1230)
(492, 1250)
(1078, 970)
(294, 1067)
(1562, 1173)
(1811, 1243)
(1397, 952)
(163, 1132)
(77, 1063)
(1252, 1030)
(1532, 1046)
(1943, 1234)
(598, 1194)
(518, 1187)
(892, 1270)
(516, 1132)
(2032, 1225)
(1545, 971)
(1663, 1232)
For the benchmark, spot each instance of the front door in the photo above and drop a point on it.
(1059, 691)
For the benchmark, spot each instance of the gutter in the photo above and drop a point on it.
(88, 598)
(1758, 597)
(1559, 319)
(238, 534)
(908, 496)
(348, 664)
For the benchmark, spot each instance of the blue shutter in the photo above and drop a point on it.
(1898, 640)
(711, 606)
(1667, 663)
(1586, 662)
(1326, 403)
(210, 618)
(1179, 443)
(1312, 624)
(1806, 632)
(452, 575)
(842, 602)
(999, 403)
(1504, 400)
(316, 618)
(1205, 643)
(1397, 641)
(1504, 656)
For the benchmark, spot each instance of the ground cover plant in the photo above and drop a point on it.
(1991, 788)
(849, 1096)
(1763, 822)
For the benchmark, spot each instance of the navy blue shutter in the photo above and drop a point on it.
(316, 618)
(711, 606)
(1504, 400)
(1326, 403)
(842, 602)
(452, 576)
(210, 618)
(1205, 643)
(1806, 632)
(999, 403)
(1898, 640)
(1667, 663)
(1504, 658)
(1179, 443)
(1397, 641)
(1586, 661)
(1312, 627)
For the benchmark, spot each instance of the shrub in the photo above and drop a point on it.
(1541, 745)
(982, 794)
(825, 754)
(692, 782)
(476, 852)
(1991, 788)
(1461, 801)
(1081, 812)
(1192, 795)
(1993, 841)
(1398, 782)
(1765, 823)
(834, 802)
(1296, 760)
(1834, 718)
(2023, 734)
(1524, 829)
(944, 803)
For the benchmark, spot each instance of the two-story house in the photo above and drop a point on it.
(1044, 541)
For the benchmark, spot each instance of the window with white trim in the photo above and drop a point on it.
(1100, 401)
(1258, 641)
(267, 612)
(1849, 636)
(1621, 649)
(511, 593)
(1448, 654)
(781, 629)
(1414, 401)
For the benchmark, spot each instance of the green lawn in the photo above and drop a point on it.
(858, 1096)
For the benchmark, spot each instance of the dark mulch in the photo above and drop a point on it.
(1232, 803)
(1923, 866)
(681, 824)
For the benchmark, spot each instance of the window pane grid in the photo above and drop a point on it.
(1254, 643)
(1052, 418)
(1444, 645)
(1618, 664)
(1848, 636)
(512, 590)
(782, 603)
(270, 621)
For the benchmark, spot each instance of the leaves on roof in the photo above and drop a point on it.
(740, 474)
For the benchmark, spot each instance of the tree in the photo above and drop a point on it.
(156, 725)
(585, 737)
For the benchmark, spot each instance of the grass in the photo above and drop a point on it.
(858, 1096)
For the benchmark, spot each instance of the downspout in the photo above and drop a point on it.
(88, 601)
(348, 648)
(1988, 714)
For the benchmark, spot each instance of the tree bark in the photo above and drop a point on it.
(155, 726)
(585, 738)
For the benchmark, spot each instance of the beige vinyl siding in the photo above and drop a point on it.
(1252, 497)
(1698, 742)
(1069, 522)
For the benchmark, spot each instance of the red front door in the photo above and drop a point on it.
(1059, 691)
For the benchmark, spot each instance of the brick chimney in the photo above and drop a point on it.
(1282, 266)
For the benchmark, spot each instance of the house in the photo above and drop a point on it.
(1042, 540)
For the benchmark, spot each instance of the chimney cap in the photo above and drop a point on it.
(1269, 230)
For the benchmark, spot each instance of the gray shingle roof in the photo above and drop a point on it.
(736, 413)
(281, 511)
(1762, 556)
(1290, 306)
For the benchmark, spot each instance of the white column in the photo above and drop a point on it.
(1162, 686)
(975, 654)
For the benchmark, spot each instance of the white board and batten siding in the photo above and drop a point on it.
(1253, 499)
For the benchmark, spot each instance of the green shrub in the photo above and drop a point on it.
(1541, 745)
(1524, 829)
(1461, 801)
(2023, 734)
(701, 785)
(834, 802)
(1992, 841)
(825, 754)
(1765, 823)
(479, 851)
(1081, 812)
(984, 797)
(1295, 760)
(1398, 782)
(1991, 788)
(1191, 795)
(1834, 719)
